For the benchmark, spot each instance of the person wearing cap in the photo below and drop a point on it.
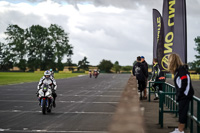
(140, 73)
(146, 78)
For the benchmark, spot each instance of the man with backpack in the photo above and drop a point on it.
(140, 73)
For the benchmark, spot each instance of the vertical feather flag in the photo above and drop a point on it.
(158, 46)
(175, 31)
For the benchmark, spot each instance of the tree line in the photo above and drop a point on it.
(104, 65)
(38, 47)
(195, 65)
(43, 48)
(34, 47)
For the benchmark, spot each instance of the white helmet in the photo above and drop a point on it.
(47, 73)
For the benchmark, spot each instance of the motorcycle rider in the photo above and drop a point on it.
(52, 72)
(48, 79)
(90, 73)
(95, 74)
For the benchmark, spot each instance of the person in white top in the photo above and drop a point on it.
(48, 79)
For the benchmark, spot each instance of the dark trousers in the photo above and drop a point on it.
(158, 84)
(54, 95)
(141, 85)
(183, 110)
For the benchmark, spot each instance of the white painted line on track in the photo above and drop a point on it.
(96, 90)
(66, 95)
(76, 112)
(48, 131)
(60, 102)
(89, 102)
(1, 130)
(81, 75)
(91, 96)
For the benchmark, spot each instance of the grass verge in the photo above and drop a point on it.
(22, 77)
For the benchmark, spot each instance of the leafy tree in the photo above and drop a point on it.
(60, 43)
(1, 51)
(192, 65)
(197, 62)
(37, 41)
(105, 65)
(126, 68)
(22, 64)
(116, 67)
(69, 62)
(84, 64)
(16, 41)
(6, 58)
(36, 47)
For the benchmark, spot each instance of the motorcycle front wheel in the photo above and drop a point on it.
(44, 108)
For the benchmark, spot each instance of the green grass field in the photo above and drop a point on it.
(20, 77)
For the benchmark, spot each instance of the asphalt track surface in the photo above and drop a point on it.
(83, 105)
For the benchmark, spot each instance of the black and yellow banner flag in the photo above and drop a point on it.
(158, 44)
(175, 31)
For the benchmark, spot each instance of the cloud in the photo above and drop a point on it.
(115, 30)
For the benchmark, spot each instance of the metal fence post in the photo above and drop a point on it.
(161, 109)
(149, 92)
(163, 89)
(191, 121)
(198, 116)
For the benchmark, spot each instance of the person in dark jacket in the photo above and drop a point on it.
(184, 89)
(140, 73)
(146, 69)
(157, 76)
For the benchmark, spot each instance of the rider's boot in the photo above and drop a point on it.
(54, 104)
(54, 101)
(39, 102)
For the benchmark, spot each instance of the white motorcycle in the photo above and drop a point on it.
(46, 98)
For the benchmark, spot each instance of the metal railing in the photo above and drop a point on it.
(169, 102)
(167, 97)
(191, 115)
(150, 88)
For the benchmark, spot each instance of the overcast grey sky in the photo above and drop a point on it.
(116, 30)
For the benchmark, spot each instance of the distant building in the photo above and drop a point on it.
(70, 68)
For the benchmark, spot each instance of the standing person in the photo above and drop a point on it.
(140, 73)
(155, 77)
(184, 89)
(146, 69)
